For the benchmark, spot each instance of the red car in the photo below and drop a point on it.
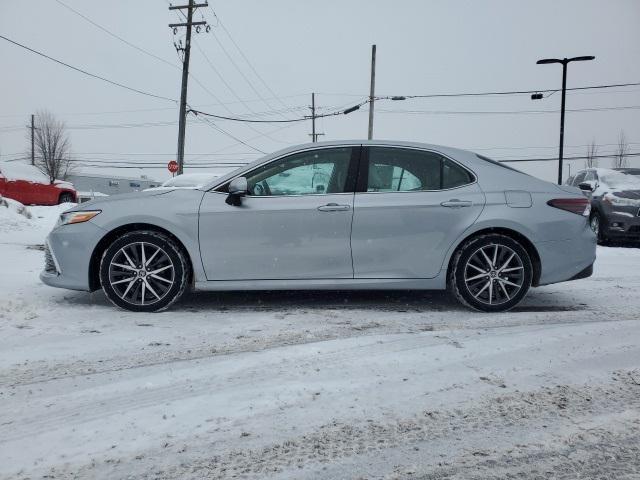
(28, 185)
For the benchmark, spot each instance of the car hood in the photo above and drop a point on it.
(107, 200)
(631, 194)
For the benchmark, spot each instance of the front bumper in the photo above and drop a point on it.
(563, 260)
(68, 252)
(622, 224)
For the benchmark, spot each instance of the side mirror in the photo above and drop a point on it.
(238, 188)
(588, 186)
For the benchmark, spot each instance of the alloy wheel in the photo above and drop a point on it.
(494, 274)
(141, 273)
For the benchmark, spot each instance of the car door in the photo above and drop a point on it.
(410, 206)
(294, 223)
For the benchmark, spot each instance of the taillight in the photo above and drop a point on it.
(579, 206)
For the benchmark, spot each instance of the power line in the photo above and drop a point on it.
(246, 59)
(219, 129)
(246, 79)
(233, 92)
(109, 32)
(511, 92)
(506, 112)
(108, 112)
(287, 120)
(112, 82)
(142, 50)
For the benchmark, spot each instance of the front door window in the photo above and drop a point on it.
(320, 172)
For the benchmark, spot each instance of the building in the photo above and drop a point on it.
(90, 184)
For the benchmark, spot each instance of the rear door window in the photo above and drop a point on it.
(391, 169)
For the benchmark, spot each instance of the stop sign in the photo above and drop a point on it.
(172, 166)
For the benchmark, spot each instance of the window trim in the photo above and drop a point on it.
(363, 170)
(350, 182)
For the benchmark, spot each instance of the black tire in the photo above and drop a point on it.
(65, 197)
(520, 273)
(597, 225)
(172, 254)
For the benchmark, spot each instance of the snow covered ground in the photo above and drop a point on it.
(316, 385)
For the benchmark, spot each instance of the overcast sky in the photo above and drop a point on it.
(424, 47)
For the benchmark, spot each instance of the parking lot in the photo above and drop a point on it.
(318, 385)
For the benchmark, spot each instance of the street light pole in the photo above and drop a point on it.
(562, 102)
(564, 62)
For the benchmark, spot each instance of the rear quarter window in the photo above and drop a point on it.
(453, 175)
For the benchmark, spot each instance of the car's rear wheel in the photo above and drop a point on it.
(65, 197)
(491, 273)
(144, 271)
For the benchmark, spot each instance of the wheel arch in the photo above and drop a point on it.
(508, 232)
(73, 194)
(106, 240)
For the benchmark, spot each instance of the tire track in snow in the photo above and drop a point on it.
(559, 408)
(24, 375)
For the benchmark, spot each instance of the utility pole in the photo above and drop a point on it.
(313, 117)
(182, 120)
(372, 90)
(33, 128)
(314, 135)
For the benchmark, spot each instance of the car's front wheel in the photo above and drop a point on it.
(144, 271)
(491, 273)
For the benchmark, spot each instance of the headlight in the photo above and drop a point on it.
(620, 201)
(76, 217)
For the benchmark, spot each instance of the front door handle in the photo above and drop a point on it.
(455, 203)
(334, 207)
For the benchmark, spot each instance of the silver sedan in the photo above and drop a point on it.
(334, 215)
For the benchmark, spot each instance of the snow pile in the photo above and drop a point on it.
(13, 215)
(19, 224)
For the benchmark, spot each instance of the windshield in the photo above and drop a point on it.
(619, 180)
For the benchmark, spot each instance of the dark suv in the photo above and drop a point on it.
(615, 202)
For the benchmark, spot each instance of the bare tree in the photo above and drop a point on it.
(592, 155)
(620, 159)
(52, 146)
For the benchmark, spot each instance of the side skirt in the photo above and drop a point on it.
(437, 283)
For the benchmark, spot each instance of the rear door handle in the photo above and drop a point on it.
(455, 203)
(333, 207)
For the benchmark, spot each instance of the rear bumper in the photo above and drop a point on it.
(67, 255)
(586, 273)
(564, 260)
